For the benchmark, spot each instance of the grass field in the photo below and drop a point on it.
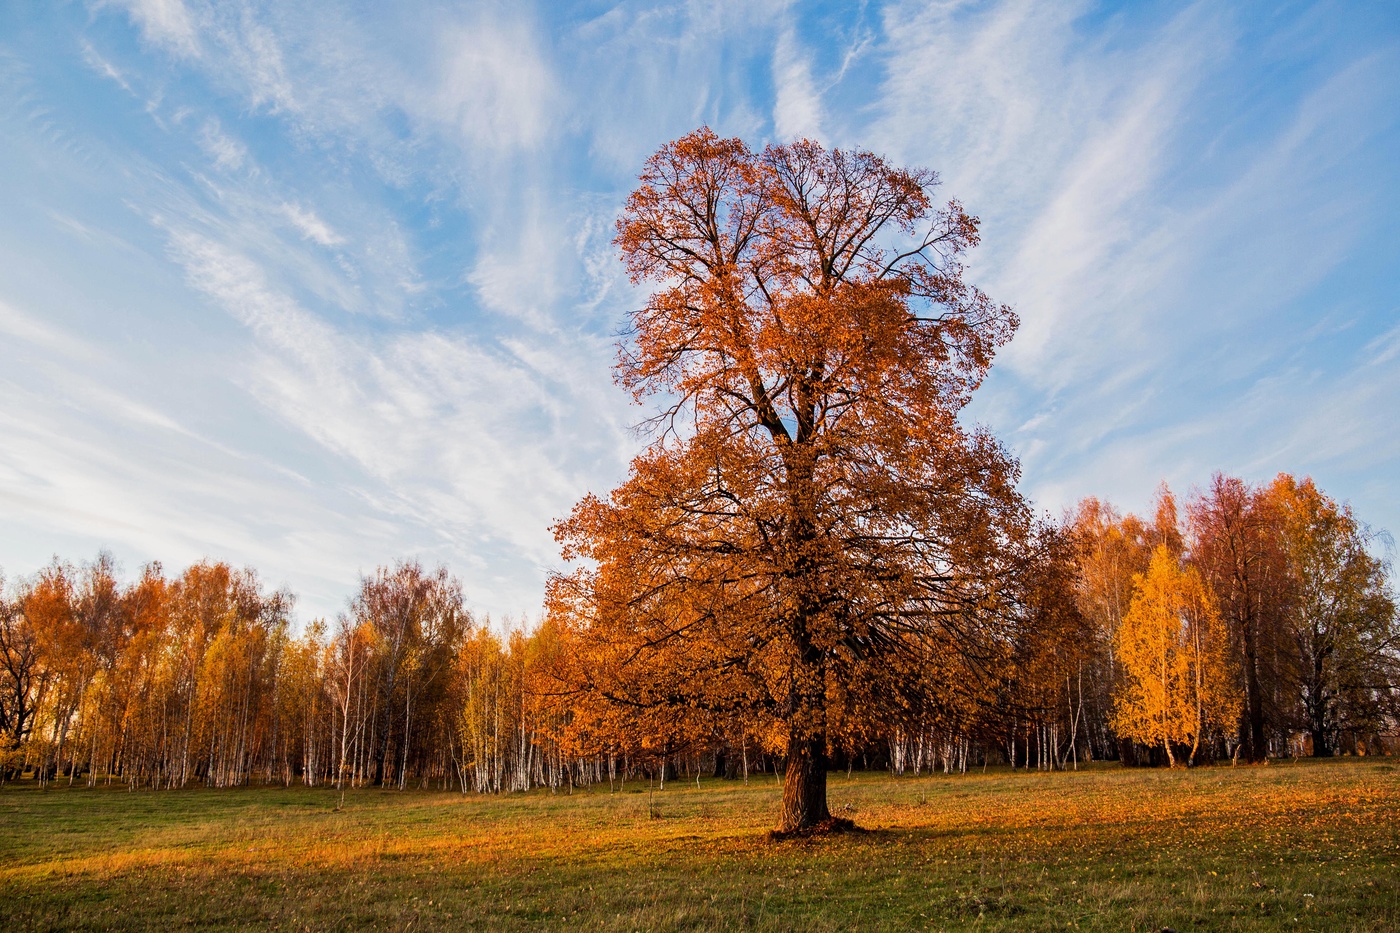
(1306, 846)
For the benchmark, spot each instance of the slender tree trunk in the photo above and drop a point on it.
(1199, 647)
(1258, 748)
(1316, 704)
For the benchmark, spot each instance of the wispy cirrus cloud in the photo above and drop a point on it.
(1144, 238)
(447, 427)
(797, 111)
(310, 226)
(28, 329)
(166, 23)
(492, 86)
(227, 153)
(351, 266)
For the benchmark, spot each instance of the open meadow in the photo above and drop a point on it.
(1288, 846)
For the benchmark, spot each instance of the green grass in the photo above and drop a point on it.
(1307, 846)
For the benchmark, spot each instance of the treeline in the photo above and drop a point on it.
(1255, 621)
(199, 679)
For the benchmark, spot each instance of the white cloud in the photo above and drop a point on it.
(477, 445)
(127, 478)
(228, 153)
(310, 226)
(797, 111)
(1060, 272)
(88, 462)
(256, 55)
(105, 68)
(20, 326)
(517, 271)
(1147, 262)
(164, 22)
(1386, 347)
(988, 94)
(1058, 144)
(493, 86)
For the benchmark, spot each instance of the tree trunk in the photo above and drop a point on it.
(804, 785)
(1254, 700)
(1315, 702)
(1321, 743)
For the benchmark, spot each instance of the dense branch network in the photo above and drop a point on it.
(812, 533)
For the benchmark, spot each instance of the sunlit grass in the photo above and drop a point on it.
(1308, 846)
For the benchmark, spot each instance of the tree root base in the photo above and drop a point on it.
(827, 827)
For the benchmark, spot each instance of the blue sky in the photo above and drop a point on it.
(314, 286)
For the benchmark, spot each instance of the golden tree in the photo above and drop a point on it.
(1173, 653)
(812, 540)
(1111, 551)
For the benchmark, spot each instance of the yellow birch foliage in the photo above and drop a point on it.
(1172, 648)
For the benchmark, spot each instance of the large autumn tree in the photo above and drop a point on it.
(811, 542)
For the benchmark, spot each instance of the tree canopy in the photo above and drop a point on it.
(812, 540)
(1174, 652)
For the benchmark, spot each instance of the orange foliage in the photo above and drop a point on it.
(812, 543)
(1174, 653)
